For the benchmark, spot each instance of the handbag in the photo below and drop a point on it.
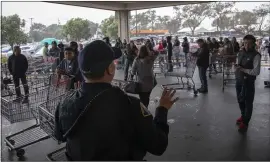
(133, 87)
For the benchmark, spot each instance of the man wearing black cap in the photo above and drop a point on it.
(101, 122)
(249, 66)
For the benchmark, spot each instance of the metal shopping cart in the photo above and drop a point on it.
(187, 75)
(47, 124)
(228, 72)
(16, 112)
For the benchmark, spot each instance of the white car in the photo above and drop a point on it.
(39, 52)
(25, 50)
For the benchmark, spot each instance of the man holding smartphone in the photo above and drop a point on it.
(249, 66)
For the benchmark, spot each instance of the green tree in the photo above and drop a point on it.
(219, 12)
(262, 12)
(152, 17)
(12, 31)
(194, 15)
(109, 27)
(37, 31)
(248, 20)
(77, 29)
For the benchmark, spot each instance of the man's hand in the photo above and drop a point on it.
(166, 98)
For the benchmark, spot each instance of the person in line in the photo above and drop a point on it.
(236, 46)
(229, 53)
(176, 50)
(100, 122)
(164, 42)
(221, 43)
(74, 46)
(17, 66)
(249, 66)
(214, 54)
(54, 52)
(143, 68)
(45, 52)
(132, 51)
(152, 42)
(69, 66)
(80, 47)
(62, 51)
(169, 47)
(124, 43)
(202, 62)
(185, 46)
(107, 40)
(119, 43)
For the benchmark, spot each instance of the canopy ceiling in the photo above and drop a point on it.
(125, 5)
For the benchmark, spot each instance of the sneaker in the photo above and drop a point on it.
(239, 120)
(242, 127)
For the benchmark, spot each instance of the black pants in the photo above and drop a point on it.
(170, 68)
(245, 96)
(17, 85)
(202, 75)
(145, 98)
(129, 63)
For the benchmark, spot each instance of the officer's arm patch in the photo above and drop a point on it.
(144, 110)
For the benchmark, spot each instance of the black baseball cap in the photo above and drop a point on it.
(97, 56)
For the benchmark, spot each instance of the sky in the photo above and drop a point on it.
(49, 13)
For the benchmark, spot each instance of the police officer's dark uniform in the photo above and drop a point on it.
(101, 122)
(249, 61)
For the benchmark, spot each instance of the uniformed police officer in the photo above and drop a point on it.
(101, 122)
(249, 64)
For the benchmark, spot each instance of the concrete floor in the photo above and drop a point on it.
(201, 128)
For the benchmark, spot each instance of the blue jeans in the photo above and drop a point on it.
(202, 75)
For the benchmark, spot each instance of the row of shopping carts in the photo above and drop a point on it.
(16, 111)
(223, 64)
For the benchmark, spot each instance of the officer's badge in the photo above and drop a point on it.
(144, 110)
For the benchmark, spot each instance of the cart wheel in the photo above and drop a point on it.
(20, 153)
(189, 88)
(12, 142)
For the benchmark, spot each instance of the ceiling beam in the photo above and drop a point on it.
(118, 5)
(104, 5)
(157, 4)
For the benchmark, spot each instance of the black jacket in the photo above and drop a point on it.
(203, 56)
(185, 46)
(17, 65)
(236, 47)
(131, 52)
(114, 127)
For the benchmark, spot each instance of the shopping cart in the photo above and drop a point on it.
(187, 75)
(16, 112)
(47, 124)
(228, 73)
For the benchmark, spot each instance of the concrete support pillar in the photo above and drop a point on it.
(123, 24)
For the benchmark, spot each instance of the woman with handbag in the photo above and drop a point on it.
(143, 68)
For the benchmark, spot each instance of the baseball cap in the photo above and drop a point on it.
(96, 57)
